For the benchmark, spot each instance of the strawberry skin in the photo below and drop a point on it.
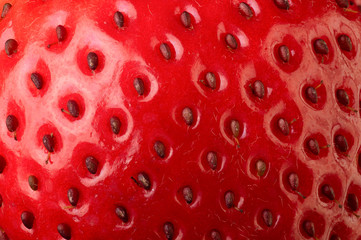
(180, 119)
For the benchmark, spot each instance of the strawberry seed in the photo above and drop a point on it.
(344, 42)
(267, 217)
(231, 41)
(284, 53)
(309, 228)
(258, 89)
(48, 142)
(165, 51)
(320, 47)
(93, 61)
(341, 143)
(293, 181)
(143, 181)
(118, 19)
(159, 148)
(313, 146)
(342, 3)
(37, 80)
(186, 19)
(342, 97)
(261, 167)
(73, 196)
(283, 126)
(139, 86)
(352, 202)
(245, 10)
(28, 219)
(60, 35)
(311, 94)
(11, 47)
(211, 80)
(188, 194)
(212, 160)
(2, 164)
(215, 235)
(122, 214)
(12, 124)
(73, 109)
(282, 4)
(33, 182)
(187, 115)
(6, 9)
(64, 230)
(168, 229)
(91, 164)
(115, 124)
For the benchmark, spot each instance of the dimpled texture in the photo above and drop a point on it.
(170, 85)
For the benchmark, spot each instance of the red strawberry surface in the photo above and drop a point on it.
(180, 119)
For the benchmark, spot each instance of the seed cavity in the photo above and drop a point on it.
(168, 229)
(345, 43)
(352, 202)
(309, 228)
(212, 160)
(28, 219)
(258, 89)
(284, 53)
(311, 94)
(142, 181)
(165, 51)
(186, 19)
(342, 3)
(73, 196)
(188, 194)
(115, 124)
(341, 143)
(118, 19)
(215, 235)
(187, 115)
(64, 230)
(283, 126)
(48, 142)
(328, 192)
(282, 4)
(6, 9)
(261, 167)
(33, 182)
(245, 10)
(11, 47)
(159, 148)
(320, 47)
(93, 61)
(139, 86)
(231, 41)
(91, 164)
(37, 80)
(2, 164)
(313, 146)
(73, 108)
(122, 214)
(267, 217)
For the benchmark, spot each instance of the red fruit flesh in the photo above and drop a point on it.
(186, 119)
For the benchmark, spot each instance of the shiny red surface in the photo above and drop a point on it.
(133, 51)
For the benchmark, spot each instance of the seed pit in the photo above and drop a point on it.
(316, 147)
(90, 61)
(39, 79)
(312, 225)
(314, 94)
(330, 190)
(296, 181)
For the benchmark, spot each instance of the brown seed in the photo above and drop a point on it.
(186, 19)
(311, 94)
(258, 89)
(91, 164)
(60, 33)
(159, 148)
(293, 181)
(118, 19)
(188, 194)
(2, 164)
(122, 214)
(11, 47)
(231, 41)
(335, 237)
(93, 61)
(212, 160)
(37, 80)
(6, 9)
(48, 142)
(327, 190)
(313, 146)
(345, 43)
(215, 235)
(352, 202)
(168, 229)
(267, 217)
(229, 199)
(115, 124)
(28, 219)
(309, 228)
(235, 128)
(64, 230)
(33, 182)
(284, 53)
(245, 10)
(211, 80)
(261, 167)
(3, 235)
(12, 123)
(342, 3)
(165, 51)
(283, 126)
(73, 108)
(139, 86)
(73, 196)
(341, 143)
(187, 115)
(144, 181)
(320, 47)
(282, 4)
(342, 97)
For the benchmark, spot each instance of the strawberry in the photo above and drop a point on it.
(180, 119)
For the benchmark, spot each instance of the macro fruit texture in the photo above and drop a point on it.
(180, 119)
